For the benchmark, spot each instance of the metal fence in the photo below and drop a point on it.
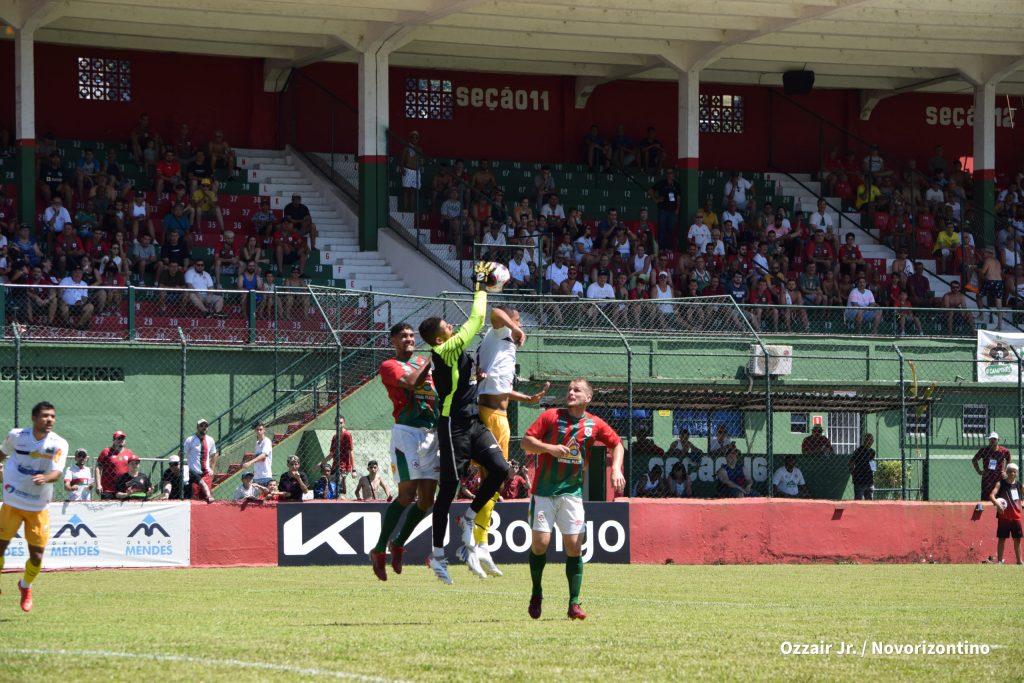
(658, 367)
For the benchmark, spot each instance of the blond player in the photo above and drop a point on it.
(36, 460)
(496, 368)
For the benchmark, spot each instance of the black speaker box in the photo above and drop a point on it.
(798, 82)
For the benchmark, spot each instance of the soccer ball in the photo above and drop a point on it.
(1001, 503)
(497, 278)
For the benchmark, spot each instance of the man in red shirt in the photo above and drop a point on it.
(341, 452)
(111, 464)
(168, 170)
(817, 443)
(993, 460)
(1006, 497)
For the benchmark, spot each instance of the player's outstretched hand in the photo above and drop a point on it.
(481, 271)
(540, 394)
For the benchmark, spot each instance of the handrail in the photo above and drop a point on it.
(772, 92)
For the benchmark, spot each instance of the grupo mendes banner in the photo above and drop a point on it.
(344, 533)
(85, 535)
(996, 361)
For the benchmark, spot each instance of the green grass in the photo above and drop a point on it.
(646, 622)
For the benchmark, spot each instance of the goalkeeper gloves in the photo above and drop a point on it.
(481, 274)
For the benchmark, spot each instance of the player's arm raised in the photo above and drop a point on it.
(410, 380)
(500, 319)
(527, 398)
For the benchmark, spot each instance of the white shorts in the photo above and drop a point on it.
(565, 511)
(411, 178)
(414, 454)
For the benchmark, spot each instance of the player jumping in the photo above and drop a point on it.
(461, 435)
(414, 457)
(562, 438)
(36, 461)
(496, 365)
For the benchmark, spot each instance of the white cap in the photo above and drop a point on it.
(1012, 466)
(174, 458)
(993, 435)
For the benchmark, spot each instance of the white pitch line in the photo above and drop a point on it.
(265, 666)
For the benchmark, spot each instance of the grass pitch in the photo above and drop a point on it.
(645, 623)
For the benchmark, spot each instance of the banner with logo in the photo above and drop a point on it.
(344, 533)
(996, 362)
(86, 535)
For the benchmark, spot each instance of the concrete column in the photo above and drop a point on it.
(373, 152)
(688, 153)
(985, 161)
(25, 123)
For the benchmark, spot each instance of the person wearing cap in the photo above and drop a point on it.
(111, 464)
(296, 214)
(133, 484)
(248, 490)
(601, 288)
(176, 220)
(1006, 496)
(170, 481)
(990, 463)
(199, 452)
(204, 199)
(788, 481)
(862, 467)
(78, 479)
(817, 443)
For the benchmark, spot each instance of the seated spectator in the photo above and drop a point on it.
(204, 199)
(173, 249)
(816, 443)
(86, 220)
(133, 485)
(203, 297)
(699, 234)
(264, 221)
(294, 305)
(482, 183)
(177, 221)
(252, 251)
(788, 480)
(170, 481)
(553, 211)
(469, 484)
(820, 253)
(919, 288)
(273, 493)
(78, 483)
(678, 484)
(293, 485)
(119, 185)
(42, 298)
(450, 211)
(663, 289)
(86, 170)
(653, 485)
(733, 479)
(198, 171)
(946, 244)
(850, 259)
(25, 247)
(650, 152)
(297, 215)
(325, 487)
(53, 182)
(601, 288)
(168, 171)
(519, 272)
(738, 189)
(225, 258)
(55, 217)
(858, 304)
(517, 485)
(905, 315)
(140, 138)
(97, 295)
(763, 306)
(144, 258)
(494, 241)
(810, 284)
(221, 154)
(372, 484)
(720, 441)
(75, 308)
(596, 151)
(868, 194)
(556, 273)
(141, 216)
(68, 249)
(683, 447)
(247, 490)
(290, 247)
(171, 278)
(182, 145)
(249, 280)
(623, 148)
(955, 301)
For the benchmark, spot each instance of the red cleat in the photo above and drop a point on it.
(377, 562)
(576, 612)
(397, 553)
(26, 598)
(535, 606)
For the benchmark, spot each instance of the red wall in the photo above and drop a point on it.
(229, 535)
(773, 531)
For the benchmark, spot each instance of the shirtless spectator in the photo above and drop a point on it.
(990, 279)
(791, 297)
(141, 137)
(204, 199)
(297, 215)
(955, 301)
(221, 154)
(650, 152)
(482, 182)
(596, 151)
(372, 484)
(168, 172)
(409, 170)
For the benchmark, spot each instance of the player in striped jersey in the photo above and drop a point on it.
(35, 459)
(414, 457)
(562, 439)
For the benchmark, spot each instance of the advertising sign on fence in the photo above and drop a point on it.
(996, 360)
(87, 535)
(344, 533)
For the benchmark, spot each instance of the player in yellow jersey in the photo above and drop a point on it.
(34, 460)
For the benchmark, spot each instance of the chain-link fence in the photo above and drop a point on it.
(684, 382)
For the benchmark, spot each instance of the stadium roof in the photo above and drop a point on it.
(889, 45)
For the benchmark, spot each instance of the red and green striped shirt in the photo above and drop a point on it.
(564, 476)
(416, 408)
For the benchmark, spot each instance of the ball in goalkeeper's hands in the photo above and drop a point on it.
(1001, 503)
(496, 278)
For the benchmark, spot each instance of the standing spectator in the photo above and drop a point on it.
(203, 298)
(371, 484)
(668, 193)
(990, 463)
(221, 154)
(204, 199)
(1006, 496)
(788, 481)
(733, 478)
(111, 464)
(168, 170)
(297, 215)
(293, 483)
(78, 481)
(409, 169)
(262, 462)
(862, 466)
(341, 451)
(247, 490)
(133, 484)
(200, 454)
(816, 443)
(170, 481)
(324, 488)
(75, 307)
(517, 486)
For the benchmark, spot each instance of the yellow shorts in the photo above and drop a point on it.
(37, 525)
(496, 422)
